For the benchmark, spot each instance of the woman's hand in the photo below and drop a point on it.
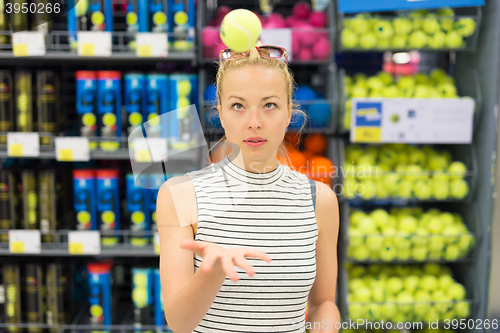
(221, 258)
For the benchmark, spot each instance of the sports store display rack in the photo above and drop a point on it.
(321, 91)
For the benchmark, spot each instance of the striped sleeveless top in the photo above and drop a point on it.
(272, 212)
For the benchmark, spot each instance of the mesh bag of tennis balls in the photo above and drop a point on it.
(407, 233)
(403, 171)
(405, 293)
(418, 29)
(436, 84)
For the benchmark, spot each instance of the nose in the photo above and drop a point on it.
(255, 119)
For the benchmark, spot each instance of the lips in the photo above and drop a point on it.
(255, 139)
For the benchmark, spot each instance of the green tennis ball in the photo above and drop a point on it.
(240, 30)
(462, 310)
(383, 29)
(428, 283)
(406, 81)
(359, 91)
(405, 189)
(390, 91)
(431, 24)
(402, 25)
(421, 78)
(417, 40)
(456, 291)
(386, 77)
(375, 83)
(394, 285)
(417, 20)
(423, 189)
(465, 26)
(437, 41)
(452, 252)
(359, 24)
(446, 23)
(349, 39)
(361, 253)
(454, 40)
(447, 90)
(368, 189)
(446, 11)
(368, 40)
(384, 44)
(400, 41)
(457, 170)
(459, 188)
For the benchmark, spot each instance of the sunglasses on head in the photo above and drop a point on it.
(265, 51)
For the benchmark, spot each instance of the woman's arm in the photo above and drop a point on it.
(187, 295)
(322, 312)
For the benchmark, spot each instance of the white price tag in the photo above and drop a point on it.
(28, 43)
(25, 241)
(84, 242)
(150, 149)
(20, 144)
(151, 44)
(72, 149)
(94, 43)
(279, 37)
(157, 243)
(412, 120)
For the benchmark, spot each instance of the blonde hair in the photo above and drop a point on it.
(253, 58)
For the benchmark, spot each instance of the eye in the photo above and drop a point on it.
(270, 105)
(237, 106)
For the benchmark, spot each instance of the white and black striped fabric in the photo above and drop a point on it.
(272, 212)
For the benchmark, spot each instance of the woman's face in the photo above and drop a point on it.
(254, 103)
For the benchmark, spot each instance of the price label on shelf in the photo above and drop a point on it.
(150, 149)
(25, 241)
(157, 242)
(72, 149)
(23, 144)
(28, 43)
(151, 44)
(84, 242)
(94, 43)
(412, 120)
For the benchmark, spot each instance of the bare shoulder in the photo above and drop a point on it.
(178, 194)
(327, 207)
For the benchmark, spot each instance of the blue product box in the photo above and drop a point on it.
(182, 20)
(99, 278)
(157, 89)
(136, 101)
(142, 297)
(84, 190)
(138, 208)
(137, 19)
(158, 15)
(86, 104)
(108, 205)
(109, 108)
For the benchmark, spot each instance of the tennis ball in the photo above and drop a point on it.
(440, 190)
(437, 40)
(446, 11)
(386, 77)
(394, 285)
(359, 24)
(445, 281)
(355, 237)
(457, 170)
(405, 82)
(423, 189)
(356, 217)
(368, 189)
(399, 41)
(374, 242)
(349, 39)
(419, 253)
(417, 20)
(459, 188)
(368, 40)
(435, 225)
(414, 172)
(411, 283)
(420, 237)
(240, 30)
(437, 163)
(349, 189)
(361, 253)
(431, 25)
(368, 225)
(465, 26)
(405, 189)
(456, 291)
(462, 310)
(428, 283)
(402, 25)
(447, 90)
(408, 224)
(421, 91)
(359, 91)
(390, 91)
(452, 252)
(375, 83)
(417, 40)
(465, 243)
(383, 29)
(446, 23)
(454, 40)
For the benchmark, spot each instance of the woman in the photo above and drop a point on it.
(249, 213)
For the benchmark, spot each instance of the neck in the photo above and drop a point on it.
(255, 165)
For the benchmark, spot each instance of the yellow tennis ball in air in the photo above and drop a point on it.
(240, 29)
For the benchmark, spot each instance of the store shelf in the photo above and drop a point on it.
(60, 247)
(58, 49)
(462, 153)
(470, 42)
(469, 88)
(468, 212)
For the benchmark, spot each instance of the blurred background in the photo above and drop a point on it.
(402, 105)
